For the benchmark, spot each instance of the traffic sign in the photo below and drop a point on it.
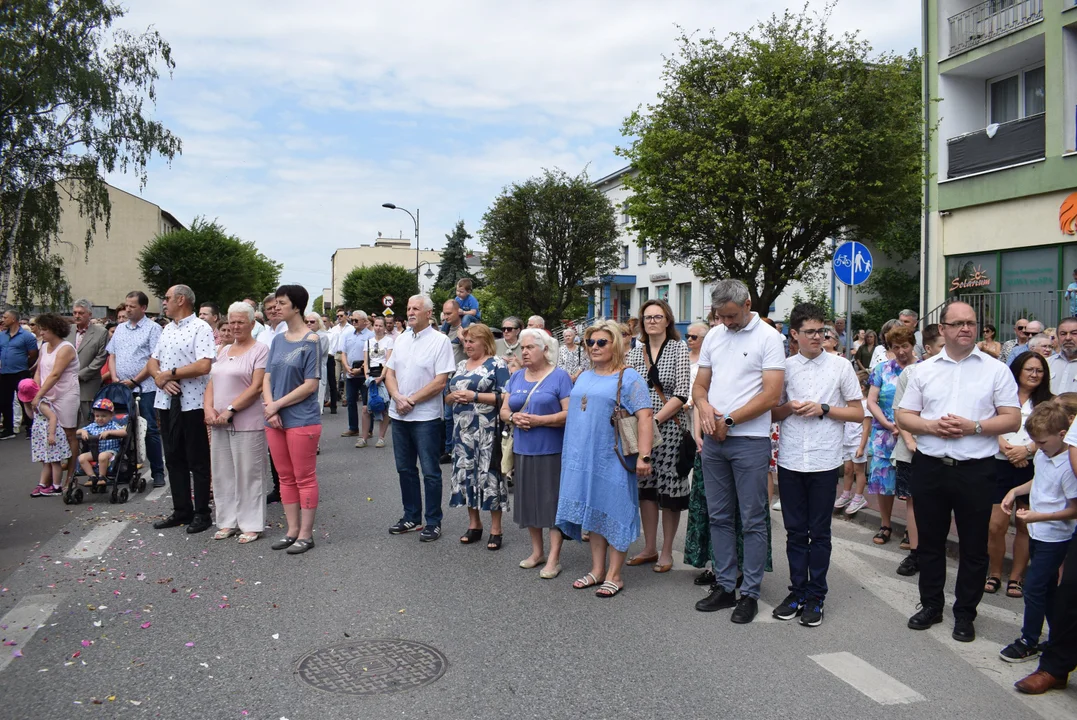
(387, 300)
(852, 263)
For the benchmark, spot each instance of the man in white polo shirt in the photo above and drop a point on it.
(741, 370)
(1063, 363)
(957, 404)
(821, 395)
(416, 374)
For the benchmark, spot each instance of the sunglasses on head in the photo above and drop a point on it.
(602, 342)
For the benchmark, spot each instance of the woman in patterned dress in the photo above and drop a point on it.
(662, 360)
(882, 475)
(474, 392)
(571, 356)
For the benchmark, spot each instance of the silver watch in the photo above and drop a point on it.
(979, 428)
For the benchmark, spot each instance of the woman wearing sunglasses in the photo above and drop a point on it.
(599, 494)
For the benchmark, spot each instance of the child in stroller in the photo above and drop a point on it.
(107, 433)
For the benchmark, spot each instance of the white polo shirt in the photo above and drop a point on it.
(335, 334)
(266, 336)
(416, 361)
(972, 388)
(814, 444)
(1063, 374)
(737, 361)
(1053, 486)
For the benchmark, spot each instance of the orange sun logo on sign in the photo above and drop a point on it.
(1067, 215)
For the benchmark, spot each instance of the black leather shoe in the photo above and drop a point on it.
(719, 599)
(964, 631)
(925, 618)
(705, 578)
(171, 521)
(745, 611)
(909, 566)
(200, 523)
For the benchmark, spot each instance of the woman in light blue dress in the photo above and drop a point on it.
(599, 495)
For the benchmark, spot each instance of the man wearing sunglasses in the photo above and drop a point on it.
(508, 347)
(1020, 330)
(336, 334)
(1032, 328)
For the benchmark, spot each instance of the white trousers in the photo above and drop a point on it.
(238, 463)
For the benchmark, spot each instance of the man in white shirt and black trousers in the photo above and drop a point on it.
(957, 404)
(821, 395)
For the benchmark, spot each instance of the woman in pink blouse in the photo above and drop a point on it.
(234, 413)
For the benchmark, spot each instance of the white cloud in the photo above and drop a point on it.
(299, 120)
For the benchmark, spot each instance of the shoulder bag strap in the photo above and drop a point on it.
(616, 430)
(658, 389)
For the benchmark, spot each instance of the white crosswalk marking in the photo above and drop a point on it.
(868, 679)
(97, 540)
(22, 621)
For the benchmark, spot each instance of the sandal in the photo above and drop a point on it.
(248, 537)
(225, 533)
(472, 536)
(642, 560)
(905, 541)
(992, 585)
(494, 543)
(588, 580)
(608, 589)
(1015, 589)
(883, 536)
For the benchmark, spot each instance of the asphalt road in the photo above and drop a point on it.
(170, 625)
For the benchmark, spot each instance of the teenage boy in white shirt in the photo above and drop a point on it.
(821, 395)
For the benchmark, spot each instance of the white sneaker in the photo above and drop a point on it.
(856, 505)
(842, 501)
(777, 505)
(360, 443)
(380, 443)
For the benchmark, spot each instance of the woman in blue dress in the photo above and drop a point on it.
(598, 494)
(473, 395)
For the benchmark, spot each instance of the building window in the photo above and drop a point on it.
(624, 256)
(661, 292)
(642, 260)
(624, 213)
(1017, 96)
(684, 302)
(643, 294)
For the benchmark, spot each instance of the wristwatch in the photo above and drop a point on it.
(647, 459)
(979, 428)
(173, 372)
(729, 421)
(231, 409)
(826, 410)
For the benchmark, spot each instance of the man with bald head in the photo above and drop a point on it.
(956, 405)
(1032, 329)
(1021, 336)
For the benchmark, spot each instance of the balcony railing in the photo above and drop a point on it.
(1013, 142)
(987, 21)
(1003, 309)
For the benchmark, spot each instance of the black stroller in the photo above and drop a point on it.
(125, 470)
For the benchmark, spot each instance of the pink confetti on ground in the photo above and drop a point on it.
(16, 653)
(189, 644)
(145, 625)
(87, 643)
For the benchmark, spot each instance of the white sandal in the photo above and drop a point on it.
(588, 580)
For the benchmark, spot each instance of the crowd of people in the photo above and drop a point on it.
(610, 433)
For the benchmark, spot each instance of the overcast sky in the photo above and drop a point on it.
(299, 120)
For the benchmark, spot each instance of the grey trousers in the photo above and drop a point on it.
(237, 460)
(735, 471)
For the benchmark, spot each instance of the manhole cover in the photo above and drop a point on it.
(372, 667)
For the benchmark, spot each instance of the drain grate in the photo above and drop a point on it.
(371, 667)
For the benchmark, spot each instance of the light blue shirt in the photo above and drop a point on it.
(353, 345)
(132, 345)
(1015, 352)
(15, 350)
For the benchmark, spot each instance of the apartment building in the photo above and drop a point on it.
(1002, 142)
(394, 251)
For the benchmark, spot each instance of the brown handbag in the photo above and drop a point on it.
(626, 429)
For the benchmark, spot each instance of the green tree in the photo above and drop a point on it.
(364, 288)
(219, 267)
(73, 108)
(890, 290)
(319, 305)
(543, 238)
(761, 148)
(816, 294)
(453, 265)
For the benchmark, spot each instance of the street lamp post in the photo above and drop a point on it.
(414, 219)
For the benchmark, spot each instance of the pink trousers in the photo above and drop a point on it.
(295, 453)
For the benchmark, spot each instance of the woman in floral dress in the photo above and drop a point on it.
(882, 475)
(474, 393)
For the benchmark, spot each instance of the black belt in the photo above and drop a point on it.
(951, 462)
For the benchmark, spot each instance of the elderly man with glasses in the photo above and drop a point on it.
(1021, 336)
(336, 335)
(352, 350)
(1063, 363)
(1032, 329)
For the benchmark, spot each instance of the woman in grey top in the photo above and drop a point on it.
(293, 417)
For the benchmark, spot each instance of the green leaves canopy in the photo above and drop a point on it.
(544, 238)
(761, 148)
(73, 100)
(364, 287)
(453, 266)
(219, 267)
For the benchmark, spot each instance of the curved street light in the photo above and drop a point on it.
(414, 219)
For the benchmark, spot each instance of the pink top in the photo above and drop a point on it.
(64, 395)
(231, 376)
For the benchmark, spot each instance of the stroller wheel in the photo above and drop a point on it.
(142, 485)
(69, 496)
(78, 496)
(114, 497)
(123, 495)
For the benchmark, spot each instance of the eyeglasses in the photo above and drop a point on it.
(653, 318)
(311, 322)
(509, 329)
(691, 337)
(354, 321)
(828, 336)
(810, 333)
(603, 342)
(961, 324)
(341, 316)
(1033, 370)
(1018, 328)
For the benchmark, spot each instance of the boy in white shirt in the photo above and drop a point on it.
(1051, 520)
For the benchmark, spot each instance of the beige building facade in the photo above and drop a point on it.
(390, 251)
(110, 270)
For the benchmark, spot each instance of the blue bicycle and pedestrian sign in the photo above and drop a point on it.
(852, 263)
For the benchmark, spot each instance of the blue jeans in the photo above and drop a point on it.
(420, 441)
(153, 434)
(354, 392)
(1041, 581)
(807, 506)
(736, 471)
